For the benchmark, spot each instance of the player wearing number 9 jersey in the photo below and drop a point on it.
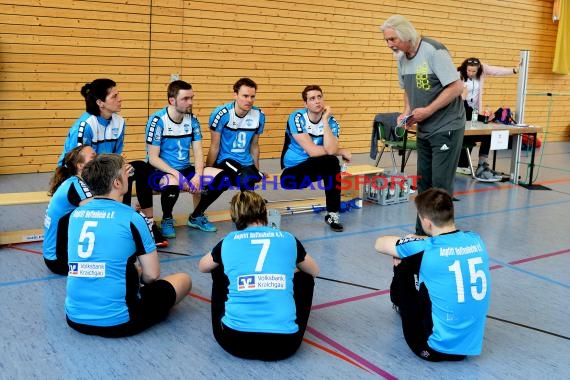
(441, 283)
(262, 285)
(110, 253)
(235, 128)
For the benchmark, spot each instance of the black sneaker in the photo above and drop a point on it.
(159, 240)
(333, 221)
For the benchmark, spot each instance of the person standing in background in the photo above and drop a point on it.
(473, 73)
(432, 100)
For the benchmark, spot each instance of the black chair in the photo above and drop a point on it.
(385, 128)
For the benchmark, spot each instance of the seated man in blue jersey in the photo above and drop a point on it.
(113, 285)
(262, 285)
(235, 128)
(100, 126)
(310, 150)
(68, 192)
(444, 309)
(170, 134)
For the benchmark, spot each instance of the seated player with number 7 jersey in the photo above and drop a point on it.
(262, 285)
(441, 283)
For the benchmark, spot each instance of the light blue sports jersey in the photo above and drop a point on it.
(455, 271)
(260, 263)
(65, 199)
(105, 237)
(175, 140)
(299, 122)
(104, 136)
(236, 132)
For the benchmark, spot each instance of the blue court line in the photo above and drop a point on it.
(532, 274)
(31, 280)
(346, 234)
(412, 225)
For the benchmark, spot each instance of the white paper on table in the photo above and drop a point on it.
(499, 140)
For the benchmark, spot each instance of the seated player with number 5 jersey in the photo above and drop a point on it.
(444, 309)
(262, 285)
(113, 285)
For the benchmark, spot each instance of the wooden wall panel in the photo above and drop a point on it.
(50, 48)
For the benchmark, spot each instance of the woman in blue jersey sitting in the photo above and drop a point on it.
(68, 191)
(262, 285)
(100, 126)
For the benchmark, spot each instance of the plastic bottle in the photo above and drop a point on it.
(391, 190)
(404, 190)
(474, 116)
(384, 193)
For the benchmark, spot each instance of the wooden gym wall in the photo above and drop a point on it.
(50, 48)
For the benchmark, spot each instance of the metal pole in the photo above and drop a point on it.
(521, 88)
(519, 115)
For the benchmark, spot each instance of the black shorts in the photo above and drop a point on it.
(156, 301)
(243, 176)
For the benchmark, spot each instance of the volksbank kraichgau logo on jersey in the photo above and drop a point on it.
(86, 269)
(246, 282)
(261, 282)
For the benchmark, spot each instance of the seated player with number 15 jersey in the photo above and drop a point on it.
(444, 309)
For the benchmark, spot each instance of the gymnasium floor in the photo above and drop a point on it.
(353, 332)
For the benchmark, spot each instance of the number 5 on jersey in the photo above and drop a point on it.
(87, 239)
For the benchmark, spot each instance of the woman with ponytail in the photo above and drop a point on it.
(100, 126)
(68, 191)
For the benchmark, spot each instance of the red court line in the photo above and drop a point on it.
(552, 181)
(25, 249)
(351, 299)
(321, 347)
(386, 291)
(199, 297)
(350, 354)
(539, 257)
(487, 189)
(340, 356)
(508, 186)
